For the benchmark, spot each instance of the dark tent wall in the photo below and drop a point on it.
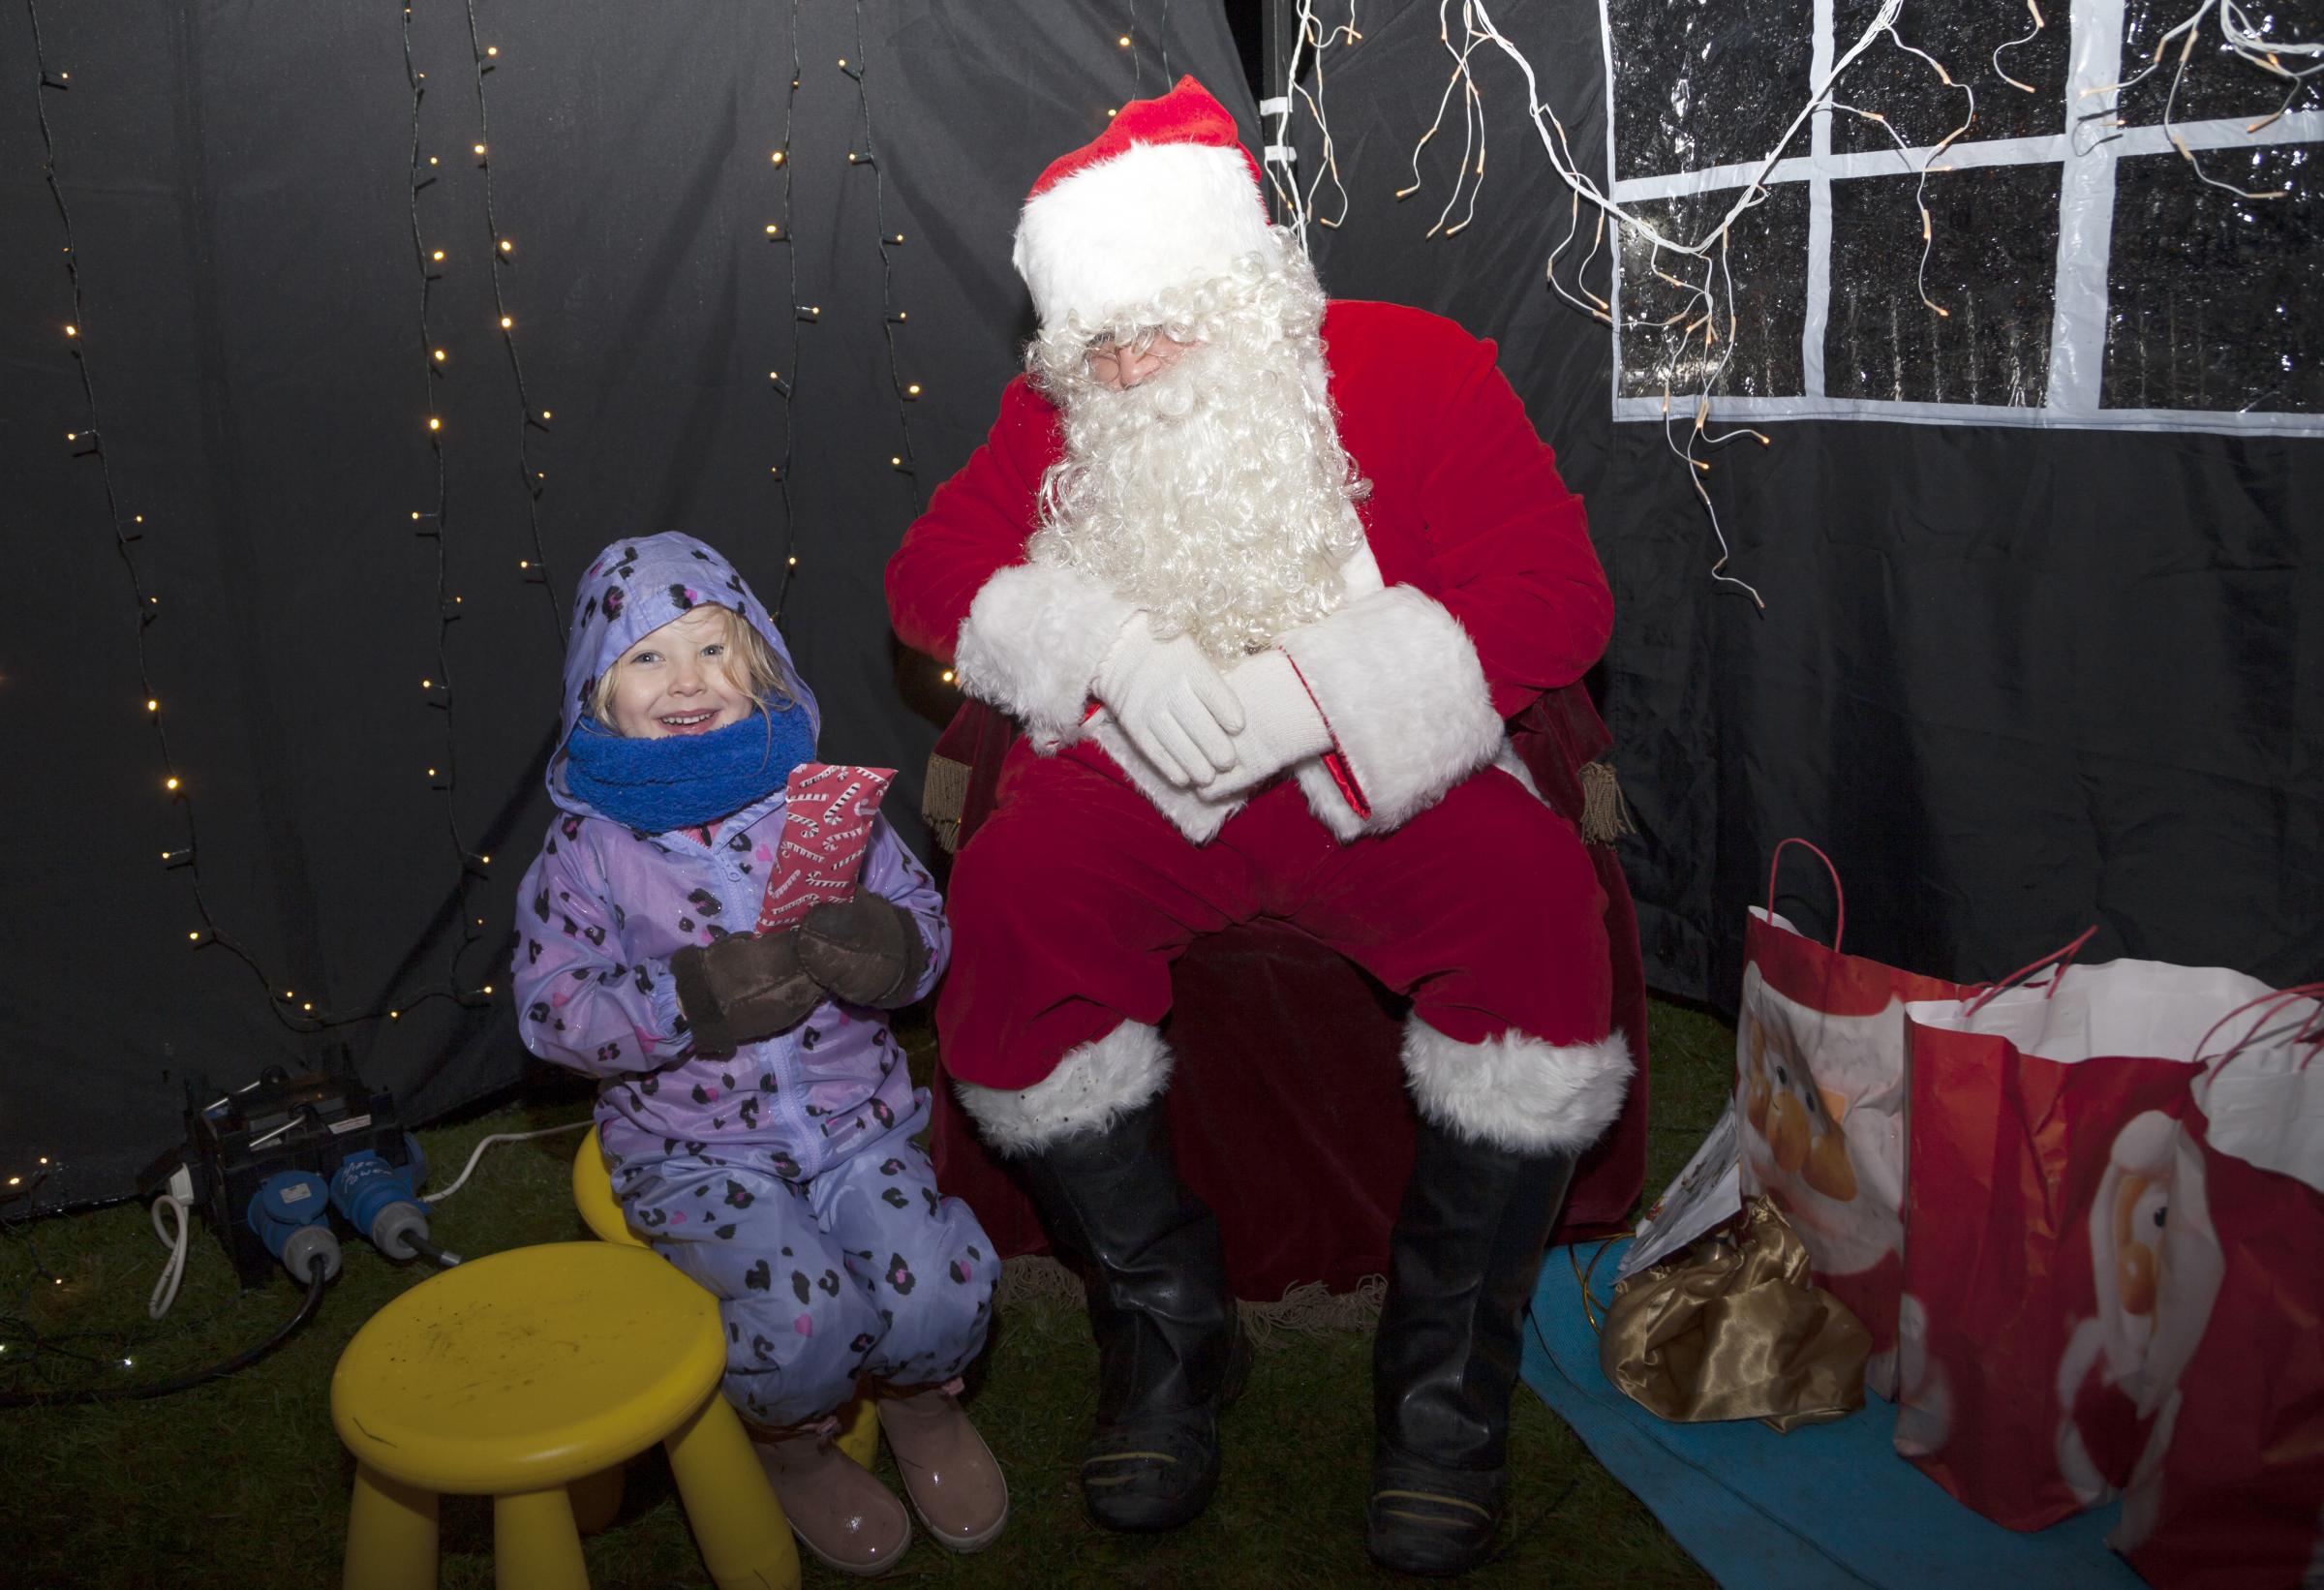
(2016, 677)
(254, 197)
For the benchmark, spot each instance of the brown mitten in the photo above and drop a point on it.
(743, 986)
(866, 951)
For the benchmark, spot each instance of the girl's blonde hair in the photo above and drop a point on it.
(752, 666)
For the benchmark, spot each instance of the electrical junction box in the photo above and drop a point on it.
(236, 1140)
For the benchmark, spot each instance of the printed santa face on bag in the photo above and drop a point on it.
(1819, 1098)
(2155, 1264)
(1820, 1136)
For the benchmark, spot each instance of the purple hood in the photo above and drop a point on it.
(632, 589)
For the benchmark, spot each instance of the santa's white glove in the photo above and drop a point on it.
(1171, 702)
(1281, 723)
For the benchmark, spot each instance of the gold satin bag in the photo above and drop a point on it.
(1732, 1326)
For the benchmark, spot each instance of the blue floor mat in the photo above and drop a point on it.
(1827, 1504)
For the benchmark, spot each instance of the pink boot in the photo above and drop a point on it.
(841, 1513)
(949, 1473)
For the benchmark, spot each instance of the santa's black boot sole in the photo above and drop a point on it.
(1432, 1521)
(1157, 1473)
(1462, 1261)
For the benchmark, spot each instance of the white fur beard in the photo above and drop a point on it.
(1214, 495)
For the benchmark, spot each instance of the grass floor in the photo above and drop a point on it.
(242, 1483)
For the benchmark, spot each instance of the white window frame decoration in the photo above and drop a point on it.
(2087, 164)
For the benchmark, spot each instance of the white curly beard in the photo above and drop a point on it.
(1214, 495)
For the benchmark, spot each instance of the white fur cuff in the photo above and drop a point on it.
(1193, 813)
(1092, 1086)
(1400, 683)
(1032, 643)
(1517, 1092)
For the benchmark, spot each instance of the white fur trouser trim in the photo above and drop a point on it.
(1193, 813)
(1092, 1086)
(1519, 1093)
(1030, 645)
(1400, 683)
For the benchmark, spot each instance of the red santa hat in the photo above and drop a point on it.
(1166, 196)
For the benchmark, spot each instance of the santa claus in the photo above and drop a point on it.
(1262, 577)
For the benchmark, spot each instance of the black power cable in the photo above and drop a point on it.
(180, 1382)
(429, 1250)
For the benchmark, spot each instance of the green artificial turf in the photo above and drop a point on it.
(242, 1483)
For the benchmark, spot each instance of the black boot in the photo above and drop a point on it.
(1462, 1261)
(1170, 1354)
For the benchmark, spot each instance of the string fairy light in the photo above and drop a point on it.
(779, 232)
(2001, 71)
(484, 61)
(432, 522)
(1309, 35)
(87, 440)
(903, 461)
(2239, 38)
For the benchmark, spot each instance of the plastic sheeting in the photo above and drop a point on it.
(2070, 270)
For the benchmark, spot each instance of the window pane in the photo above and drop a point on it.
(1963, 39)
(2218, 84)
(2214, 301)
(1698, 84)
(1993, 269)
(1766, 260)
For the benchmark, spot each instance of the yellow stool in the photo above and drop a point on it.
(602, 1213)
(518, 1374)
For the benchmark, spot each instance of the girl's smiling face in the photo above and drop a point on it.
(680, 679)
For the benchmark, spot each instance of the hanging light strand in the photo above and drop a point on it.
(88, 440)
(531, 417)
(785, 380)
(433, 524)
(902, 461)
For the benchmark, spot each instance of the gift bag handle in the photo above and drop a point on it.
(2064, 956)
(1839, 895)
(2310, 1031)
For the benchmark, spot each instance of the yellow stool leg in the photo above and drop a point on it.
(596, 1498)
(859, 1431)
(739, 1525)
(534, 1545)
(391, 1534)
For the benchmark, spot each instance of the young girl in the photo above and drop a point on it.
(755, 1112)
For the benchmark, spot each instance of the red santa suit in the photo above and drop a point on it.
(1407, 848)
(1281, 696)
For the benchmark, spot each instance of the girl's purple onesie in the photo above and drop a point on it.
(781, 1177)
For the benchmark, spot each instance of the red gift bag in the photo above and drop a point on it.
(1819, 1096)
(2236, 1499)
(2067, 1250)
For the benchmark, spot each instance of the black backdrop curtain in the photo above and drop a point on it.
(253, 202)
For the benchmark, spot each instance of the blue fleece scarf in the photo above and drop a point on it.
(684, 780)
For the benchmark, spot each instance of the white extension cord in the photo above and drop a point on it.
(461, 1179)
(177, 1200)
(179, 1197)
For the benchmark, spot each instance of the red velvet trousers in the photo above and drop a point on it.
(1076, 896)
